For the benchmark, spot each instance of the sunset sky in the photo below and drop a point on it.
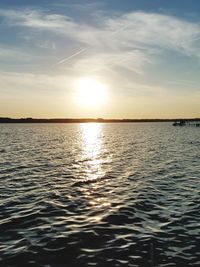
(110, 59)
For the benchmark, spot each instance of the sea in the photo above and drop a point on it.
(99, 194)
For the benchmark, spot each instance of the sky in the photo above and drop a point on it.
(143, 54)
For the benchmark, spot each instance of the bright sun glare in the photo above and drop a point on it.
(91, 92)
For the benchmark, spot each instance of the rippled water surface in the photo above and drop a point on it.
(99, 195)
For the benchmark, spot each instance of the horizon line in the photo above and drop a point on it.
(88, 119)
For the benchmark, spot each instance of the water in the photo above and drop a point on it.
(99, 195)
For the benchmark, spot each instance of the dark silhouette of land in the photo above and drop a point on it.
(86, 120)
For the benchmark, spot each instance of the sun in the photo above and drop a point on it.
(90, 92)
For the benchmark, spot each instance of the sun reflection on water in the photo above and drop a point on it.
(91, 134)
(93, 169)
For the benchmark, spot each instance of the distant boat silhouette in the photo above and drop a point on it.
(179, 123)
(185, 122)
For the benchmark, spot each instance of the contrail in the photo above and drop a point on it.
(74, 55)
(84, 49)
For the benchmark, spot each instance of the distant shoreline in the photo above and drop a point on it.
(87, 120)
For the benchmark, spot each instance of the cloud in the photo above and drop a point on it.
(118, 44)
(125, 31)
(27, 82)
(36, 19)
(112, 61)
(151, 30)
(10, 53)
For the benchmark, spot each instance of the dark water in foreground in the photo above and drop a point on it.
(99, 195)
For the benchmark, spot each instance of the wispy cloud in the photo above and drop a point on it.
(129, 30)
(31, 82)
(130, 39)
(10, 53)
(36, 19)
(116, 45)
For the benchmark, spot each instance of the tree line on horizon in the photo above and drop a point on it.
(81, 120)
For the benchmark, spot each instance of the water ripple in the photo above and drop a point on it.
(99, 195)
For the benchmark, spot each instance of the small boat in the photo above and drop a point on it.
(188, 123)
(179, 123)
